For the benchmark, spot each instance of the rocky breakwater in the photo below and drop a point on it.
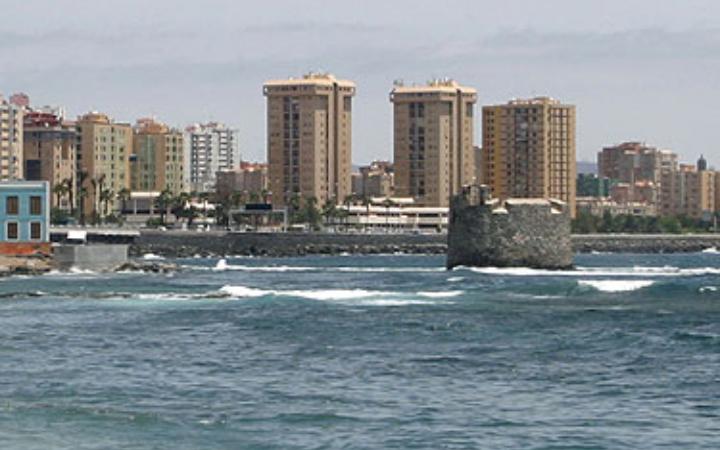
(179, 244)
(485, 232)
(25, 265)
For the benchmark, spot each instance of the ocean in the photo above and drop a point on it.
(365, 352)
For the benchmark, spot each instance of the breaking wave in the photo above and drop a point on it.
(342, 295)
(637, 271)
(616, 285)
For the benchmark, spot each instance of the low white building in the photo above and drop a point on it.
(388, 214)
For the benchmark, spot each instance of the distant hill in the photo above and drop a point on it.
(586, 167)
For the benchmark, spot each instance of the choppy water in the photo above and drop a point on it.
(365, 352)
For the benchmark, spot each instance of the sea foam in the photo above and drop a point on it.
(616, 285)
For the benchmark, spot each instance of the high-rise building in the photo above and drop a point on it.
(688, 191)
(49, 155)
(433, 140)
(631, 162)
(103, 153)
(529, 150)
(11, 140)
(209, 148)
(309, 126)
(158, 157)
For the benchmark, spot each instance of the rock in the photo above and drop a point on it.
(148, 266)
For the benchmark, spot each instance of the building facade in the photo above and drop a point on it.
(24, 217)
(209, 148)
(157, 161)
(689, 192)
(529, 150)
(249, 179)
(309, 141)
(376, 180)
(49, 154)
(11, 140)
(103, 169)
(433, 140)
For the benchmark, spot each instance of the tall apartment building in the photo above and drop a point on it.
(309, 141)
(49, 155)
(209, 148)
(689, 191)
(11, 140)
(433, 140)
(529, 150)
(157, 160)
(103, 154)
(630, 162)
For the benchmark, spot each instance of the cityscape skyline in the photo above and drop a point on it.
(640, 71)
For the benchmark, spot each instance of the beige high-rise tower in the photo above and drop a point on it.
(309, 126)
(157, 160)
(529, 150)
(433, 136)
(103, 153)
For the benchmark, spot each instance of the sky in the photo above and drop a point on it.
(645, 70)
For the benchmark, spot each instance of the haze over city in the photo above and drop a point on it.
(637, 70)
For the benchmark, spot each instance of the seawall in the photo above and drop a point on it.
(187, 243)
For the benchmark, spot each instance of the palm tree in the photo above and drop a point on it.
(82, 193)
(123, 196)
(106, 196)
(366, 203)
(59, 190)
(162, 202)
(329, 210)
(70, 191)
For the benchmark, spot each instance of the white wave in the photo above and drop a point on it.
(637, 271)
(455, 279)
(355, 296)
(222, 265)
(616, 285)
(385, 269)
(704, 289)
(152, 257)
(243, 291)
(711, 250)
(440, 294)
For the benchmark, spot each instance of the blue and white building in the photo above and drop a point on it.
(24, 212)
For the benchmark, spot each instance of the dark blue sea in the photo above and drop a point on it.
(365, 352)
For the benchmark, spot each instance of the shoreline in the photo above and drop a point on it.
(181, 244)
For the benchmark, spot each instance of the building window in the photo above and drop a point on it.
(12, 205)
(35, 205)
(12, 231)
(35, 231)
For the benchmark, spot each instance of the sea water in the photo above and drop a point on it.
(366, 352)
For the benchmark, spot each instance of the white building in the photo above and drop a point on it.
(209, 148)
(11, 141)
(394, 214)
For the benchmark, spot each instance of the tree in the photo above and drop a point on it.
(59, 190)
(163, 202)
(83, 175)
(329, 210)
(106, 196)
(123, 196)
(70, 191)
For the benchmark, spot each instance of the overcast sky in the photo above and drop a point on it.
(645, 70)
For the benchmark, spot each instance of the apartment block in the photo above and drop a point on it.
(103, 155)
(157, 161)
(433, 140)
(49, 154)
(11, 140)
(209, 148)
(249, 178)
(377, 180)
(309, 141)
(688, 191)
(529, 150)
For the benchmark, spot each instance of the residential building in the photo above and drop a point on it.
(598, 206)
(377, 180)
(103, 154)
(592, 185)
(393, 214)
(209, 148)
(157, 161)
(249, 178)
(49, 154)
(689, 192)
(24, 217)
(529, 150)
(309, 126)
(433, 140)
(11, 140)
